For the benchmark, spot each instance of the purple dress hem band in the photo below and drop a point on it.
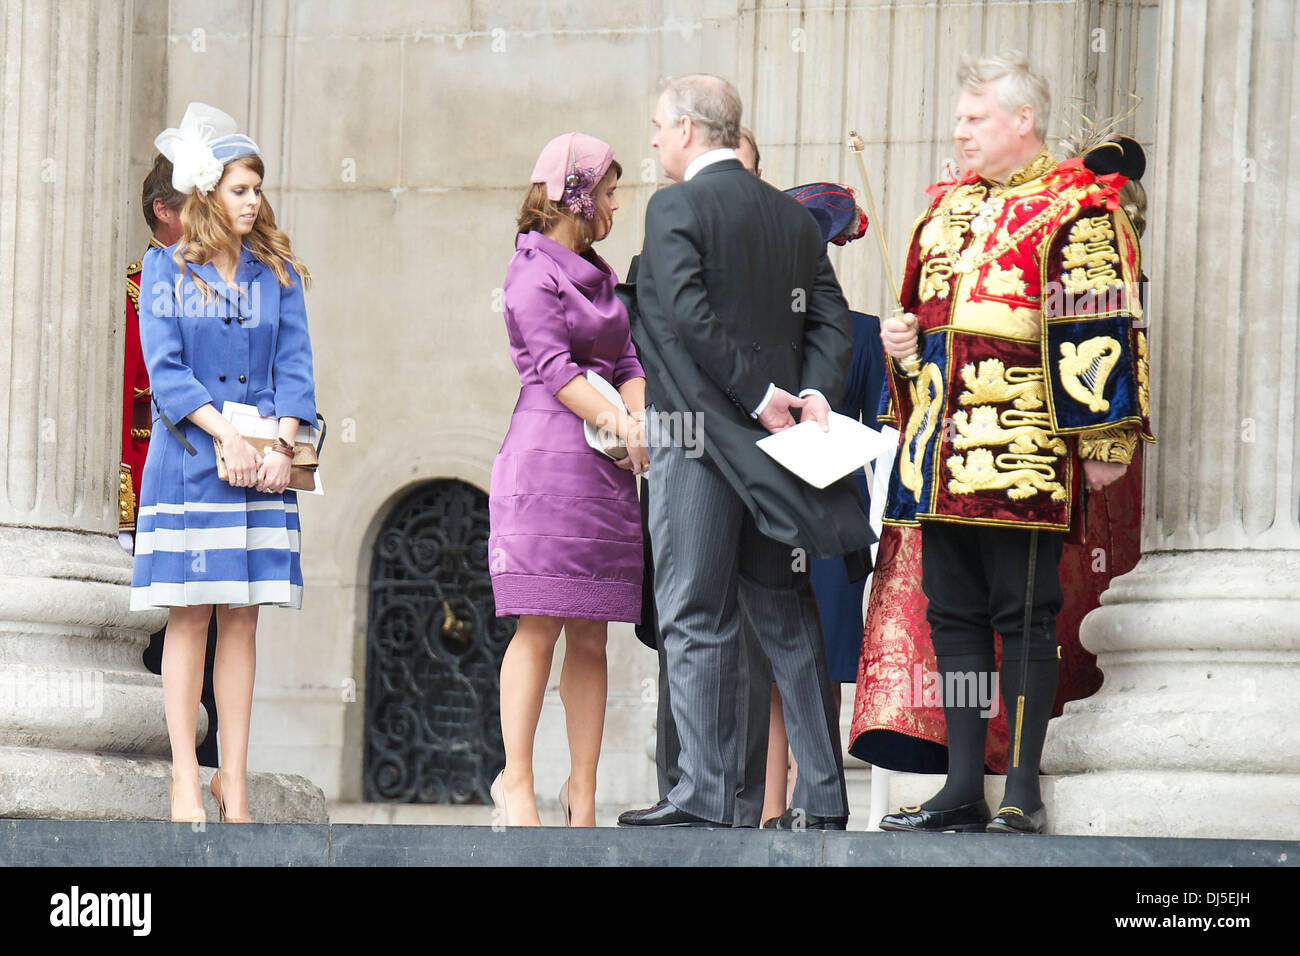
(598, 601)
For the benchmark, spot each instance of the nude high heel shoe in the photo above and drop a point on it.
(498, 793)
(215, 786)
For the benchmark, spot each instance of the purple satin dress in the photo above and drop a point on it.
(565, 535)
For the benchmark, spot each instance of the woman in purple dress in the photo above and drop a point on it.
(565, 543)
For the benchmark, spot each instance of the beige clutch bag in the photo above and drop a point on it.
(302, 472)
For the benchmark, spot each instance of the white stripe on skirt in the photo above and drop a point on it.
(234, 593)
(210, 506)
(188, 540)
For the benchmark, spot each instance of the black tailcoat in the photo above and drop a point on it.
(734, 290)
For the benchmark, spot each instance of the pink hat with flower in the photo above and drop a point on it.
(571, 165)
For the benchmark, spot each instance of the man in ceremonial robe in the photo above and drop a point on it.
(898, 712)
(1017, 379)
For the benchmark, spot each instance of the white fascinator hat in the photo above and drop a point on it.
(201, 147)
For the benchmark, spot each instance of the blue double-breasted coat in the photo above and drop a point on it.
(198, 539)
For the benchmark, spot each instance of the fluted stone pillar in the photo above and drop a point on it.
(1196, 730)
(75, 698)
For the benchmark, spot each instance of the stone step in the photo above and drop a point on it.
(139, 843)
(37, 783)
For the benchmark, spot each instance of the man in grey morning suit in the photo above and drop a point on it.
(754, 696)
(738, 303)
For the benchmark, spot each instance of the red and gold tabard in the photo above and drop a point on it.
(1032, 347)
(136, 416)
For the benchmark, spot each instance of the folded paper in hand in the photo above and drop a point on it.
(819, 457)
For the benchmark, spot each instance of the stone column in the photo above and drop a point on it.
(1196, 731)
(75, 698)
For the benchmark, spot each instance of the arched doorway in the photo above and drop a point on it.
(433, 652)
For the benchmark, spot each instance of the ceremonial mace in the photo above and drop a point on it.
(911, 365)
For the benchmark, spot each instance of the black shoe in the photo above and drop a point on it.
(1014, 820)
(664, 814)
(968, 818)
(796, 820)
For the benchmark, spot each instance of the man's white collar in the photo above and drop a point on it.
(708, 159)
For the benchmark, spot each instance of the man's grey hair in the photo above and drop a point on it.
(1017, 84)
(711, 103)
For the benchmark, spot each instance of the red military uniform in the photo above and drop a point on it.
(1032, 349)
(136, 416)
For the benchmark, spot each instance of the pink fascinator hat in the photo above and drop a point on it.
(571, 165)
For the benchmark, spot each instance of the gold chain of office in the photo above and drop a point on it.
(962, 261)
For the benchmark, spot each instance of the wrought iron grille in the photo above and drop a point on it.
(433, 652)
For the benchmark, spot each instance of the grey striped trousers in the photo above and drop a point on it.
(712, 564)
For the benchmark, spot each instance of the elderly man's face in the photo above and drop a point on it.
(670, 140)
(991, 141)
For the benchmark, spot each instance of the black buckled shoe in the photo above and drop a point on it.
(664, 814)
(967, 818)
(1014, 820)
(797, 820)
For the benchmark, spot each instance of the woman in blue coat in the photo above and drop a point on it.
(221, 319)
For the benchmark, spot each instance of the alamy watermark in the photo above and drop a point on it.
(929, 688)
(242, 300)
(30, 690)
(1061, 299)
(664, 429)
(76, 908)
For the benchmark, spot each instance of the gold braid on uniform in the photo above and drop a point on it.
(1115, 444)
(133, 284)
(1040, 164)
(126, 504)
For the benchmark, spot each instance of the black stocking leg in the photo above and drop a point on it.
(1022, 781)
(964, 676)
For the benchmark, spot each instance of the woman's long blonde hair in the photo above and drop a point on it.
(205, 230)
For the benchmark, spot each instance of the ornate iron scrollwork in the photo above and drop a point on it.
(433, 652)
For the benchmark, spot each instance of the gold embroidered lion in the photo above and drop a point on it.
(1022, 476)
(1021, 432)
(994, 383)
(1089, 255)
